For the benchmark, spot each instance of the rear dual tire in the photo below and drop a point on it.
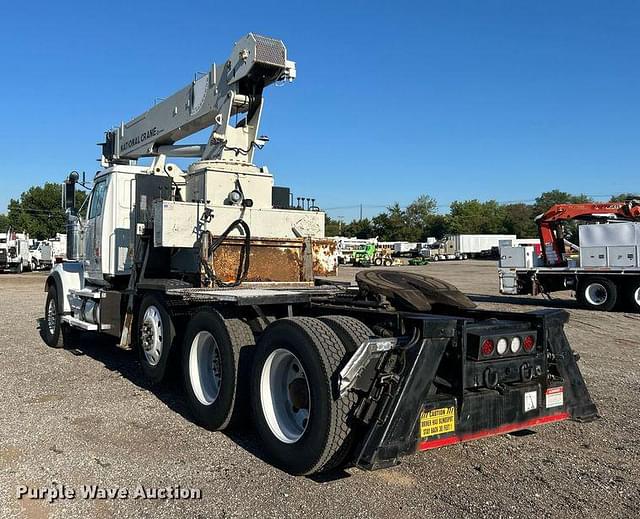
(156, 335)
(216, 354)
(304, 424)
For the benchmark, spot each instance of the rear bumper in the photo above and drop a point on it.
(503, 429)
(413, 416)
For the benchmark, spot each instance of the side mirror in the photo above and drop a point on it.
(69, 191)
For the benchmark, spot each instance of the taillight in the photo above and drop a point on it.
(487, 347)
(515, 345)
(529, 343)
(502, 346)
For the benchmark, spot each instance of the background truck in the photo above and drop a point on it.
(604, 274)
(464, 246)
(372, 254)
(346, 247)
(15, 255)
(52, 249)
(363, 252)
(239, 295)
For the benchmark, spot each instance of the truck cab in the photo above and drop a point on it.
(14, 252)
(106, 229)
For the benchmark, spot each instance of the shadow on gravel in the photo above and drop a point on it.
(104, 349)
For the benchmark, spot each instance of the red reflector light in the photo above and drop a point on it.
(487, 347)
(529, 343)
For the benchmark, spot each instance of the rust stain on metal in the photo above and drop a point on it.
(274, 260)
(325, 262)
(270, 260)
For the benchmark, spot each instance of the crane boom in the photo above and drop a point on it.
(209, 101)
(550, 223)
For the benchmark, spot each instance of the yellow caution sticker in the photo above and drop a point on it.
(437, 421)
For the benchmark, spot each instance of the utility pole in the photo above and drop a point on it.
(360, 211)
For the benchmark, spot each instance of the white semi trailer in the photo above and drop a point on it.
(198, 268)
(465, 246)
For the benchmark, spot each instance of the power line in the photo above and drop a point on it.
(448, 205)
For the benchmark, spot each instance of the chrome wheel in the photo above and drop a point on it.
(596, 294)
(52, 316)
(152, 335)
(285, 395)
(205, 370)
(636, 297)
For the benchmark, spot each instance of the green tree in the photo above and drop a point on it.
(39, 212)
(519, 220)
(475, 217)
(418, 212)
(331, 226)
(437, 227)
(411, 224)
(624, 196)
(422, 219)
(549, 198)
(4, 223)
(359, 229)
(390, 225)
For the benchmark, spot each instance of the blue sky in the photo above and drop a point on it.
(492, 99)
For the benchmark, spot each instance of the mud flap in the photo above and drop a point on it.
(579, 404)
(391, 435)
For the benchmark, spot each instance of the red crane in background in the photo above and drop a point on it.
(550, 224)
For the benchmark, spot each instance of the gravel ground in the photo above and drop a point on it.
(88, 418)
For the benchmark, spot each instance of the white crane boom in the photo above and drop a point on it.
(209, 101)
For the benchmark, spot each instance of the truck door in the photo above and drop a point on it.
(93, 230)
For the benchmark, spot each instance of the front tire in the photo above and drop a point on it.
(598, 294)
(155, 337)
(216, 358)
(53, 329)
(301, 419)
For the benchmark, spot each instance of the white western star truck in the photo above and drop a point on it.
(51, 250)
(202, 269)
(14, 252)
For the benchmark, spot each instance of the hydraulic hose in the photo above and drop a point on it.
(245, 253)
